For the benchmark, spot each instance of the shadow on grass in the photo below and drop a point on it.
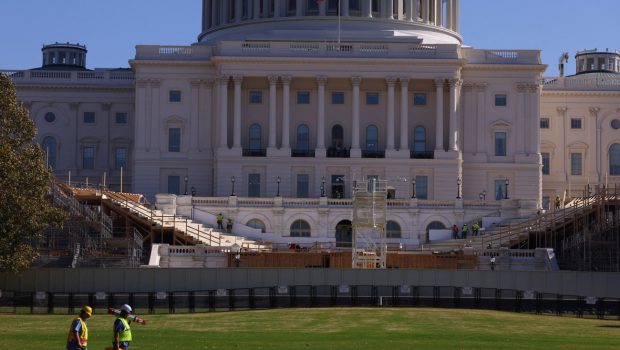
(609, 326)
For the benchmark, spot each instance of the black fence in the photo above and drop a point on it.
(306, 296)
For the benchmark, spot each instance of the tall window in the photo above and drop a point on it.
(575, 164)
(372, 138)
(49, 147)
(303, 186)
(545, 163)
(303, 97)
(575, 123)
(300, 228)
(614, 159)
(88, 158)
(337, 136)
(499, 189)
(419, 139)
(372, 182)
(392, 230)
(337, 98)
(419, 99)
(501, 100)
(372, 98)
(544, 123)
(500, 144)
(303, 137)
(255, 137)
(174, 184)
(253, 185)
(256, 96)
(337, 186)
(120, 157)
(121, 118)
(89, 117)
(174, 96)
(174, 140)
(421, 187)
(257, 224)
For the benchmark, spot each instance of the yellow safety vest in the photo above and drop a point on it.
(83, 333)
(125, 335)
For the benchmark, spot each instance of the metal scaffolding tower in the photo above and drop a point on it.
(369, 247)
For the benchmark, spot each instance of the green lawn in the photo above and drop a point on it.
(336, 328)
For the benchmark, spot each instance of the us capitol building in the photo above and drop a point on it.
(281, 106)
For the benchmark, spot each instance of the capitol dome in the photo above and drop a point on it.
(412, 21)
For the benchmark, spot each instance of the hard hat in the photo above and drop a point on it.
(126, 308)
(87, 310)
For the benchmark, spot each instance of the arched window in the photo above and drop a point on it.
(337, 136)
(49, 147)
(255, 137)
(303, 138)
(257, 224)
(435, 225)
(300, 228)
(372, 138)
(392, 230)
(614, 159)
(419, 139)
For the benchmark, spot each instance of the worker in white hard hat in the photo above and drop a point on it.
(122, 330)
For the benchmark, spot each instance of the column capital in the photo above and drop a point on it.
(321, 80)
(594, 110)
(195, 83)
(356, 80)
(481, 86)
(237, 79)
(455, 82)
(74, 105)
(439, 82)
(273, 79)
(142, 83)
(155, 83)
(391, 81)
(223, 79)
(404, 81)
(106, 106)
(286, 79)
(208, 83)
(562, 110)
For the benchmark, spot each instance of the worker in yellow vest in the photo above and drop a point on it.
(122, 330)
(77, 339)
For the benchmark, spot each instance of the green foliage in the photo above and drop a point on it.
(24, 181)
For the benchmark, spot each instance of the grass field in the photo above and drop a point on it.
(358, 328)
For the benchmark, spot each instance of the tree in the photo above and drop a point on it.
(25, 208)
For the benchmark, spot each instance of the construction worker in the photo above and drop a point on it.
(464, 231)
(78, 333)
(122, 330)
(229, 225)
(557, 202)
(220, 221)
(475, 227)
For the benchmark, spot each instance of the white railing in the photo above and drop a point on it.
(184, 53)
(103, 77)
(586, 82)
(475, 56)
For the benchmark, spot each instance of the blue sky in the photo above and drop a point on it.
(112, 28)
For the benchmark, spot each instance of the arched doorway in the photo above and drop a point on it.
(435, 225)
(344, 234)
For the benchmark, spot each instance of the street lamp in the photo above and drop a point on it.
(236, 249)
(323, 186)
(484, 195)
(193, 191)
(186, 179)
(413, 187)
(506, 189)
(458, 187)
(232, 181)
(278, 181)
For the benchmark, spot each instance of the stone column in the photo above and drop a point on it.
(439, 114)
(534, 145)
(355, 118)
(438, 13)
(413, 8)
(277, 7)
(594, 111)
(366, 8)
(391, 81)
(455, 85)
(205, 121)
(389, 9)
(273, 80)
(456, 22)
(194, 115)
(256, 8)
(154, 113)
(521, 131)
(449, 14)
(266, 7)
(320, 129)
(481, 117)
(238, 10)
(426, 11)
(322, 8)
(344, 8)
(404, 114)
(286, 112)
(206, 15)
(299, 8)
(223, 123)
(224, 13)
(237, 112)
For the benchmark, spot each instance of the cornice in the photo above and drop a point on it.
(580, 93)
(74, 87)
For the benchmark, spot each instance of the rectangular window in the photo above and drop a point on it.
(372, 98)
(337, 186)
(545, 202)
(88, 158)
(544, 123)
(372, 182)
(174, 96)
(303, 97)
(421, 187)
(174, 140)
(303, 186)
(501, 100)
(419, 99)
(121, 118)
(500, 144)
(256, 96)
(253, 185)
(89, 117)
(500, 187)
(337, 98)
(545, 163)
(174, 184)
(575, 164)
(120, 157)
(575, 123)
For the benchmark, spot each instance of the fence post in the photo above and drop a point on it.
(312, 296)
(211, 300)
(292, 290)
(50, 303)
(32, 295)
(251, 300)
(151, 303)
(354, 300)
(559, 305)
(171, 303)
(192, 302)
(231, 299)
(111, 300)
(70, 307)
(272, 297)
(457, 297)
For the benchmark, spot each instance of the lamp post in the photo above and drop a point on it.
(458, 187)
(193, 191)
(484, 195)
(506, 189)
(278, 181)
(413, 187)
(323, 186)
(185, 179)
(236, 249)
(232, 182)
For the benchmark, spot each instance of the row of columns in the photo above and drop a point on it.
(321, 81)
(218, 12)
